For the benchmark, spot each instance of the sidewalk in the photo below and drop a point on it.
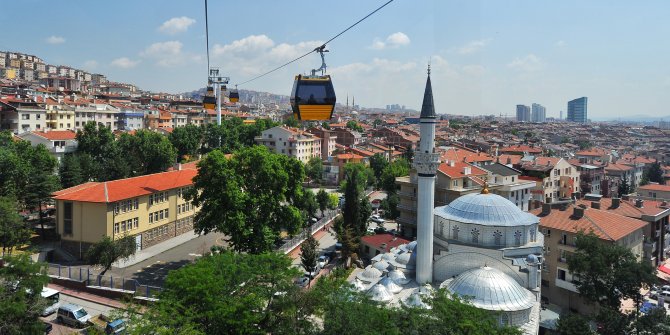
(156, 249)
(87, 296)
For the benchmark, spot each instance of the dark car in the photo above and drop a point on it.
(47, 327)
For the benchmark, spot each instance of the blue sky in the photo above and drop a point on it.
(487, 56)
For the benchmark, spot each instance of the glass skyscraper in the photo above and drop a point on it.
(577, 111)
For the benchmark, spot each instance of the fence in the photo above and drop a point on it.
(292, 243)
(93, 279)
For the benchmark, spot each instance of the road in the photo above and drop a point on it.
(90, 307)
(154, 270)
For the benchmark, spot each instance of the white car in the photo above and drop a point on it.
(323, 261)
(377, 219)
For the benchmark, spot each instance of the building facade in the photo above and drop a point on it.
(522, 113)
(291, 142)
(577, 110)
(539, 113)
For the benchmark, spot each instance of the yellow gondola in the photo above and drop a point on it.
(209, 100)
(234, 95)
(313, 98)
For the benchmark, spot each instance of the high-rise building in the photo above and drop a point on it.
(522, 113)
(577, 111)
(539, 113)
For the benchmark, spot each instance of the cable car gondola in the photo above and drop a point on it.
(209, 100)
(234, 95)
(313, 96)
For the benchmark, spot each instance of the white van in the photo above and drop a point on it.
(53, 297)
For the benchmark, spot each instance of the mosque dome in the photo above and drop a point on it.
(370, 274)
(388, 257)
(381, 265)
(390, 285)
(398, 277)
(380, 293)
(486, 209)
(490, 289)
(532, 259)
(406, 260)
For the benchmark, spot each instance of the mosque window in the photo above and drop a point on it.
(475, 235)
(504, 319)
(517, 237)
(497, 237)
(533, 234)
(455, 233)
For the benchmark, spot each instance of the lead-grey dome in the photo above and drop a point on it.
(491, 289)
(487, 210)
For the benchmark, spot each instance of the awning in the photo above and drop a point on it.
(664, 268)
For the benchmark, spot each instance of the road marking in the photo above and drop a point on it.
(195, 255)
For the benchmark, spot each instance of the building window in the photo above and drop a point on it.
(25, 116)
(561, 274)
(151, 218)
(533, 234)
(517, 237)
(67, 218)
(475, 235)
(136, 223)
(455, 233)
(116, 228)
(497, 237)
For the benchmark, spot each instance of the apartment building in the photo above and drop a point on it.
(150, 208)
(58, 142)
(617, 173)
(655, 191)
(291, 142)
(557, 178)
(560, 224)
(328, 143)
(504, 181)
(58, 116)
(19, 116)
(592, 177)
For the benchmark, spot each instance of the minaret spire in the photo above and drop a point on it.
(426, 162)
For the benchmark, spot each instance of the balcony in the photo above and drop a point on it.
(407, 195)
(649, 247)
(567, 285)
(65, 149)
(402, 220)
(407, 207)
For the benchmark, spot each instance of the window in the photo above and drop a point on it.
(25, 116)
(151, 218)
(455, 233)
(475, 235)
(123, 225)
(136, 223)
(561, 274)
(160, 213)
(167, 215)
(533, 234)
(517, 237)
(67, 218)
(564, 239)
(563, 256)
(546, 232)
(497, 237)
(504, 319)
(136, 203)
(116, 228)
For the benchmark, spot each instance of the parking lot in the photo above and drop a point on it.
(90, 307)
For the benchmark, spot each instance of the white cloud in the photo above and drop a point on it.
(176, 25)
(529, 63)
(165, 54)
(394, 40)
(473, 46)
(90, 64)
(55, 40)
(124, 63)
(560, 43)
(248, 45)
(473, 70)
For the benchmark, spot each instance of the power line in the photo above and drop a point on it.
(320, 47)
(207, 35)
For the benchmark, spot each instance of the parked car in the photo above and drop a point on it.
(103, 323)
(48, 327)
(665, 294)
(323, 261)
(73, 315)
(377, 219)
(380, 230)
(302, 281)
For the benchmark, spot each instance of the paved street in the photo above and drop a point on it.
(154, 270)
(90, 307)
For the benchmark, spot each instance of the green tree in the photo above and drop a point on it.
(353, 125)
(624, 186)
(41, 181)
(230, 293)
(13, 231)
(573, 324)
(20, 301)
(107, 251)
(314, 169)
(325, 125)
(333, 201)
(608, 272)
(390, 206)
(70, 171)
(323, 200)
(655, 173)
(250, 197)
(398, 168)
(378, 163)
(292, 122)
(146, 152)
(309, 252)
(308, 204)
(186, 140)
(408, 154)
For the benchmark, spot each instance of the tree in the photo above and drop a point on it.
(390, 206)
(146, 152)
(309, 252)
(573, 324)
(325, 125)
(292, 122)
(308, 204)
(41, 181)
(323, 200)
(396, 169)
(353, 125)
(107, 251)
(378, 163)
(20, 301)
(333, 201)
(186, 140)
(408, 154)
(13, 231)
(655, 173)
(251, 197)
(70, 171)
(230, 293)
(624, 186)
(314, 169)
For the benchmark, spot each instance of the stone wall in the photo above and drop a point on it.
(167, 231)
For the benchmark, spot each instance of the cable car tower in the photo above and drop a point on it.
(219, 82)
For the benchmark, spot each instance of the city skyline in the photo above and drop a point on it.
(484, 60)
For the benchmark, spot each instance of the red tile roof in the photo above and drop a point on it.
(390, 240)
(618, 167)
(113, 191)
(655, 187)
(465, 155)
(513, 159)
(521, 148)
(456, 171)
(56, 135)
(628, 208)
(606, 225)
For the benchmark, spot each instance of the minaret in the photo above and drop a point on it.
(426, 162)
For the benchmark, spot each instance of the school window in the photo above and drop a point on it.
(151, 218)
(67, 218)
(116, 228)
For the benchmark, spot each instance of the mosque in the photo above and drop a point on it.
(481, 247)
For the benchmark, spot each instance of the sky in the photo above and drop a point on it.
(486, 56)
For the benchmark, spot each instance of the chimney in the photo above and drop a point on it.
(639, 203)
(595, 204)
(625, 197)
(467, 170)
(177, 167)
(546, 209)
(578, 213)
(616, 202)
(452, 163)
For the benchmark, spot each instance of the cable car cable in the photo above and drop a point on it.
(207, 36)
(321, 47)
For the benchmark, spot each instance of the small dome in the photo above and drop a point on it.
(406, 260)
(487, 210)
(415, 300)
(380, 293)
(532, 259)
(390, 285)
(388, 257)
(370, 274)
(490, 289)
(409, 246)
(398, 277)
(358, 285)
(381, 265)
